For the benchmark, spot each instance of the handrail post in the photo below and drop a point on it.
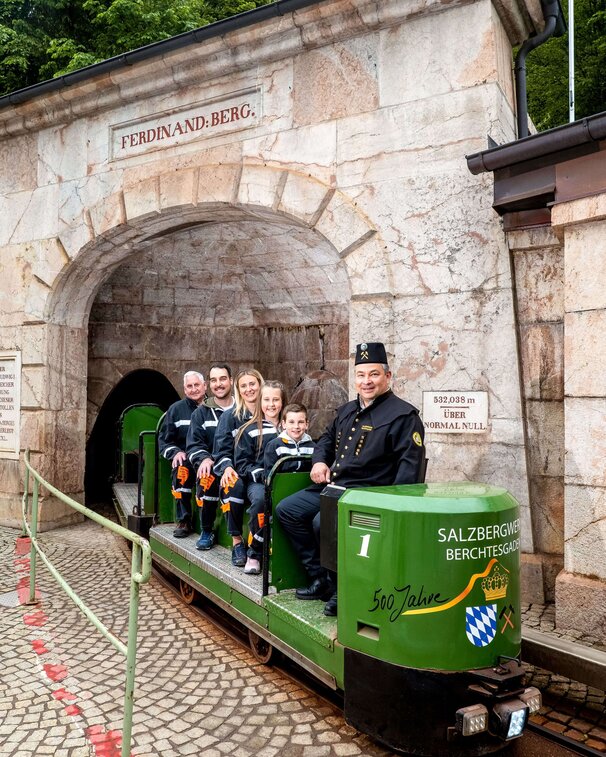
(131, 653)
(25, 496)
(33, 555)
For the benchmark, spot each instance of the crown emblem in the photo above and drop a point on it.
(495, 585)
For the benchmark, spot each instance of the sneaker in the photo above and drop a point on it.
(183, 529)
(253, 566)
(206, 540)
(238, 555)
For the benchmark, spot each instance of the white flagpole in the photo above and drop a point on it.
(571, 61)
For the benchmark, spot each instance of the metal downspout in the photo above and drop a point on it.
(551, 13)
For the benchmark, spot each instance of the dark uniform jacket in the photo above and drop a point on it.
(378, 445)
(223, 447)
(173, 434)
(284, 446)
(201, 434)
(249, 454)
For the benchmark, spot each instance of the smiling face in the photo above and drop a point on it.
(194, 387)
(371, 380)
(220, 383)
(271, 404)
(295, 424)
(248, 386)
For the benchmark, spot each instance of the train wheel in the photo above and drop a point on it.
(188, 593)
(261, 649)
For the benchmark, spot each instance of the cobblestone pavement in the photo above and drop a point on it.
(569, 707)
(197, 691)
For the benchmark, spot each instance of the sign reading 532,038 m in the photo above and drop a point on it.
(455, 412)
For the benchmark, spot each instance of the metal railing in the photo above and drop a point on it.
(140, 574)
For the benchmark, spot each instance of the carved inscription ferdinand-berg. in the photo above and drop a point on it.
(10, 400)
(233, 112)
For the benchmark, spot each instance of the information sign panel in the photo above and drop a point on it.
(10, 404)
(455, 412)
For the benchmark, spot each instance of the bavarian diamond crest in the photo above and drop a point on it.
(481, 624)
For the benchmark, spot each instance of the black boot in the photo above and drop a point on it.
(319, 588)
(330, 608)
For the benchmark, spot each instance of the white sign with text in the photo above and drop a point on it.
(455, 412)
(10, 404)
(233, 112)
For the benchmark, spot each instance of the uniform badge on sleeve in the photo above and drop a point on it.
(416, 437)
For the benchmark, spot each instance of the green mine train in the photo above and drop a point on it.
(426, 646)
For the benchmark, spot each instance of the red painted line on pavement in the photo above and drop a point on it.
(104, 743)
(62, 694)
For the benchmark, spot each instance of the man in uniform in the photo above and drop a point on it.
(374, 440)
(200, 438)
(172, 442)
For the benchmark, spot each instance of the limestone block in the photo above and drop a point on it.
(531, 579)
(343, 225)
(217, 183)
(303, 198)
(429, 55)
(370, 144)
(108, 213)
(178, 188)
(547, 507)
(585, 462)
(435, 241)
(591, 208)
(545, 428)
(62, 153)
(585, 534)
(310, 149)
(49, 259)
(18, 170)
(74, 237)
(367, 268)
(14, 278)
(142, 200)
(462, 340)
(456, 459)
(585, 353)
(581, 605)
(540, 285)
(542, 357)
(36, 296)
(585, 267)
(533, 240)
(371, 319)
(33, 430)
(34, 385)
(260, 186)
(115, 340)
(336, 81)
(68, 428)
(37, 217)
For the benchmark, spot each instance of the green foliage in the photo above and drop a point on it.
(41, 39)
(547, 68)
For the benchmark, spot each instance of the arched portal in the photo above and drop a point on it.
(139, 386)
(252, 263)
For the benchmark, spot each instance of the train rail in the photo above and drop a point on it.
(539, 740)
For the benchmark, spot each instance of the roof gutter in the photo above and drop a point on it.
(552, 13)
(552, 142)
(218, 28)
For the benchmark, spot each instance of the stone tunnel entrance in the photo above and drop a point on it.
(250, 292)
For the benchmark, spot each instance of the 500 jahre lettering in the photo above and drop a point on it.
(396, 603)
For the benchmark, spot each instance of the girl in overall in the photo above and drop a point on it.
(250, 443)
(247, 385)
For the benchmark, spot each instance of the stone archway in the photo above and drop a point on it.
(105, 235)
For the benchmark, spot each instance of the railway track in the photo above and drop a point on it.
(538, 741)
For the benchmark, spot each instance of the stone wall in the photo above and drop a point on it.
(538, 260)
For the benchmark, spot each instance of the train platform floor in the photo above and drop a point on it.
(198, 691)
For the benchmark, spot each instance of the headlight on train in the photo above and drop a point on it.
(532, 697)
(472, 719)
(507, 719)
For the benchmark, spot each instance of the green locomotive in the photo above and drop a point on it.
(426, 645)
